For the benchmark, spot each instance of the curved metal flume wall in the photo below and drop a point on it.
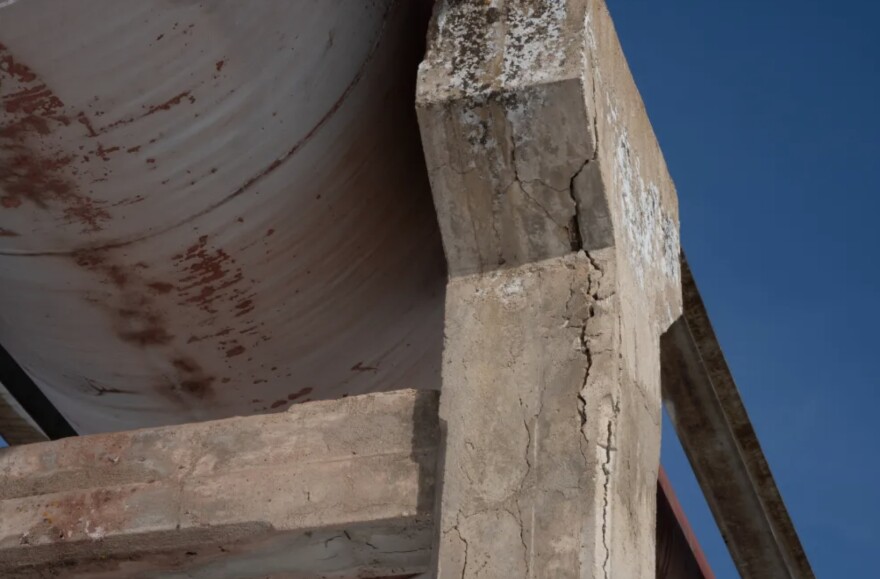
(214, 209)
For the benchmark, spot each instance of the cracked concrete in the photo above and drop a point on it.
(559, 223)
(525, 439)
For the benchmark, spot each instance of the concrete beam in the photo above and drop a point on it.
(560, 227)
(331, 489)
(715, 431)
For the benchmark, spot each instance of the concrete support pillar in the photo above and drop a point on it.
(560, 228)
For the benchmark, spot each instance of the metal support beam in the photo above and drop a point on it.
(711, 421)
(26, 404)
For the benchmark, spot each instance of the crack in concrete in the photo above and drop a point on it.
(587, 351)
(528, 554)
(528, 444)
(463, 540)
(606, 485)
(574, 229)
(522, 537)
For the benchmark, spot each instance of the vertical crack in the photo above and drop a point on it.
(583, 342)
(463, 540)
(606, 472)
(531, 446)
(595, 276)
(574, 229)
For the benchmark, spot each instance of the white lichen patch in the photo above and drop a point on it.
(652, 234)
(483, 46)
(464, 44)
(534, 40)
(511, 289)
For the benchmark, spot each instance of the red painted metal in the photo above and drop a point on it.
(679, 555)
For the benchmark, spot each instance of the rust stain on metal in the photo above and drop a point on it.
(173, 101)
(87, 123)
(191, 382)
(152, 335)
(205, 266)
(153, 109)
(39, 176)
(244, 307)
(185, 364)
(14, 69)
(193, 339)
(104, 153)
(299, 394)
(7, 232)
(37, 99)
(359, 367)
(205, 307)
(210, 275)
(271, 167)
(137, 320)
(160, 287)
(235, 351)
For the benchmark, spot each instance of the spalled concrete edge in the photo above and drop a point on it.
(344, 487)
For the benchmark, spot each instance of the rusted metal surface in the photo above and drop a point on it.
(214, 209)
(679, 555)
(720, 442)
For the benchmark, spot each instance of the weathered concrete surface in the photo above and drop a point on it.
(331, 489)
(560, 227)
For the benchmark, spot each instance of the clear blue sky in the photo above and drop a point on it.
(768, 114)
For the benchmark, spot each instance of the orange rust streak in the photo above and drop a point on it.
(39, 175)
(169, 103)
(16, 70)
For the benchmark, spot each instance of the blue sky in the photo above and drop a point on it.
(768, 114)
